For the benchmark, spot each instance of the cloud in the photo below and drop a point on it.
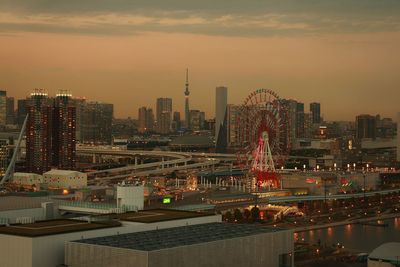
(216, 17)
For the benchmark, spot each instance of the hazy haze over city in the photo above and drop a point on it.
(343, 54)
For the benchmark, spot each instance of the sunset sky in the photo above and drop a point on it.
(343, 53)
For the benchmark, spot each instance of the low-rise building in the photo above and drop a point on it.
(65, 179)
(212, 244)
(27, 179)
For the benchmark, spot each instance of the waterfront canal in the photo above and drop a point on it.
(363, 238)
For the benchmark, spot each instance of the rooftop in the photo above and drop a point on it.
(386, 252)
(21, 202)
(160, 215)
(178, 236)
(61, 172)
(53, 227)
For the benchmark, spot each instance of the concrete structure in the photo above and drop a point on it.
(130, 196)
(213, 244)
(386, 255)
(65, 179)
(27, 179)
(221, 102)
(42, 244)
(398, 137)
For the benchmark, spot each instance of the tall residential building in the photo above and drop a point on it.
(164, 115)
(300, 133)
(64, 132)
(22, 111)
(365, 126)
(176, 121)
(3, 107)
(221, 102)
(97, 123)
(146, 119)
(187, 93)
(39, 133)
(197, 119)
(315, 110)
(10, 110)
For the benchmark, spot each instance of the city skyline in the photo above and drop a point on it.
(330, 53)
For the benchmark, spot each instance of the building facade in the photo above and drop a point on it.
(10, 110)
(146, 119)
(315, 110)
(365, 126)
(3, 108)
(39, 133)
(96, 123)
(64, 132)
(164, 115)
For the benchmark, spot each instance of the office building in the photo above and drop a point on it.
(232, 113)
(22, 105)
(39, 133)
(164, 115)
(221, 102)
(197, 119)
(300, 133)
(365, 126)
(176, 121)
(315, 110)
(308, 125)
(146, 119)
(64, 132)
(97, 123)
(10, 110)
(3, 108)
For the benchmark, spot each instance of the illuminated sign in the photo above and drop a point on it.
(166, 200)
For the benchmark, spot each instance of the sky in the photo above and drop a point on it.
(343, 53)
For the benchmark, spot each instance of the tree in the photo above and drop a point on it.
(247, 214)
(228, 216)
(255, 213)
(237, 215)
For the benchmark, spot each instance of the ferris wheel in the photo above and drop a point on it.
(262, 114)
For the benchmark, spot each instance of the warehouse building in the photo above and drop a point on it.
(211, 244)
(65, 179)
(42, 243)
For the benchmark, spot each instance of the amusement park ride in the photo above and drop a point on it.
(262, 132)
